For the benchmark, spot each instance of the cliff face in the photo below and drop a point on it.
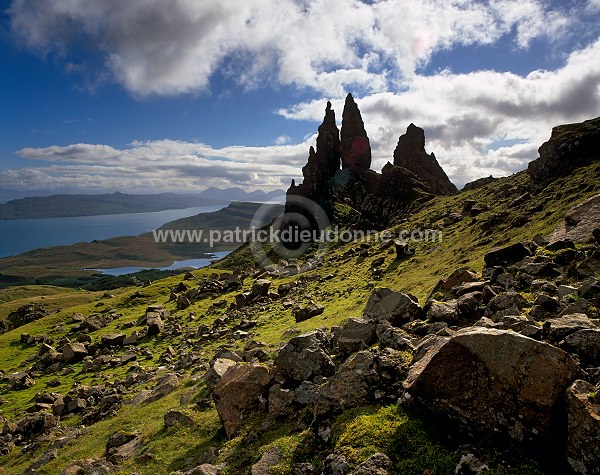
(410, 154)
(355, 145)
(569, 146)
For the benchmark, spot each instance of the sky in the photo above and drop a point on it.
(181, 95)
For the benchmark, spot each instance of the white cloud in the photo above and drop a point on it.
(464, 114)
(172, 47)
(282, 140)
(159, 165)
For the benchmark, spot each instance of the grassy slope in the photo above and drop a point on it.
(359, 432)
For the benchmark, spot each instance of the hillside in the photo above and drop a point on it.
(478, 349)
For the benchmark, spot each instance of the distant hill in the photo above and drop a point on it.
(141, 251)
(71, 205)
(237, 194)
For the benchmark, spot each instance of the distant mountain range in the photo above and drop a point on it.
(71, 205)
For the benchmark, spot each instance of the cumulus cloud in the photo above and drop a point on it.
(159, 165)
(465, 116)
(171, 47)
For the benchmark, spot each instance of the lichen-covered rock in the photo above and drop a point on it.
(241, 390)
(306, 356)
(351, 386)
(493, 380)
(583, 436)
(395, 307)
(216, 371)
(354, 335)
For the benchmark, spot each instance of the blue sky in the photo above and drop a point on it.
(160, 95)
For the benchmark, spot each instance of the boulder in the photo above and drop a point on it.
(166, 385)
(556, 329)
(114, 340)
(280, 399)
(21, 380)
(395, 307)
(269, 459)
(174, 418)
(35, 424)
(118, 454)
(443, 312)
(583, 428)
(586, 344)
(354, 335)
(508, 303)
(394, 338)
(351, 386)
(241, 389)
(492, 380)
(89, 467)
(306, 356)
(305, 313)
(216, 371)
(73, 352)
(260, 288)
(507, 255)
(376, 464)
(154, 323)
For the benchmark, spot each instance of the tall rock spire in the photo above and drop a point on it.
(410, 153)
(322, 164)
(355, 145)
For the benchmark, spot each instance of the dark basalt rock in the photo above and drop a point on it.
(322, 164)
(410, 154)
(570, 146)
(473, 185)
(355, 145)
(398, 193)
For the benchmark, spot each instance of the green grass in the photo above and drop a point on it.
(358, 433)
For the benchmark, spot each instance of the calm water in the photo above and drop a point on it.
(22, 235)
(195, 263)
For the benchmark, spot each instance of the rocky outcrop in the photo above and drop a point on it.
(410, 154)
(579, 223)
(570, 146)
(398, 193)
(473, 185)
(490, 380)
(322, 163)
(355, 145)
